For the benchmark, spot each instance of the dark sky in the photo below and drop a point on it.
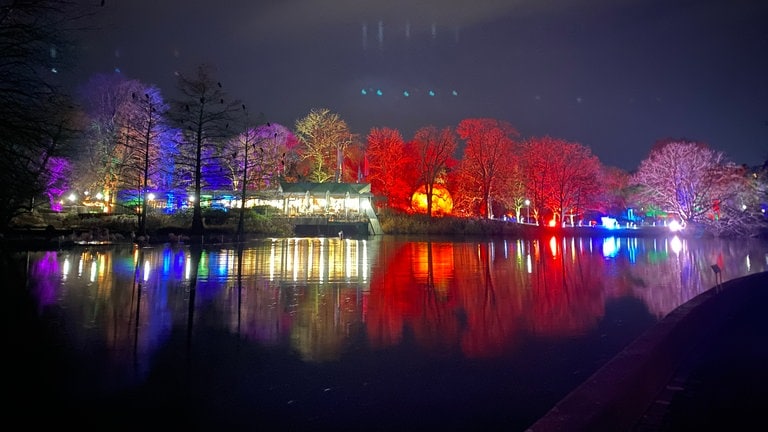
(615, 75)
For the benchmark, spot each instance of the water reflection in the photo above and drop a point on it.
(327, 298)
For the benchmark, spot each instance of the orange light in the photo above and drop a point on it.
(442, 203)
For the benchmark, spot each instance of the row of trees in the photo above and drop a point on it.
(121, 135)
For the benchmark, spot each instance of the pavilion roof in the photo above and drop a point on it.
(320, 189)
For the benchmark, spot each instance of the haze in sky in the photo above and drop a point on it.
(616, 76)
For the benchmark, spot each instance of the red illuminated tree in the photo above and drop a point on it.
(388, 163)
(434, 150)
(561, 177)
(614, 190)
(355, 169)
(488, 159)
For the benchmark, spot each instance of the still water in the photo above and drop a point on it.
(381, 333)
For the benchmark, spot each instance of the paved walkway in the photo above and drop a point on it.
(703, 367)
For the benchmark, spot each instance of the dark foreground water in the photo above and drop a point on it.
(388, 333)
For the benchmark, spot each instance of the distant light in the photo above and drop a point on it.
(363, 92)
(406, 94)
(609, 222)
(378, 92)
(455, 93)
(151, 196)
(431, 93)
(553, 223)
(72, 197)
(675, 226)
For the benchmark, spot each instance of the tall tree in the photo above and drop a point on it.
(488, 157)
(122, 141)
(203, 115)
(434, 149)
(36, 121)
(388, 163)
(699, 184)
(560, 176)
(148, 129)
(324, 138)
(272, 147)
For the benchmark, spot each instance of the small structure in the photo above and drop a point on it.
(329, 208)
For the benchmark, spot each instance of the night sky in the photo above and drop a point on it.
(615, 75)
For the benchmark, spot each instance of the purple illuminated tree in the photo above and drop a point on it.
(56, 181)
(700, 185)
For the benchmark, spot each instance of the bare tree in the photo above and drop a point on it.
(36, 121)
(148, 128)
(203, 115)
(434, 149)
(699, 184)
(560, 176)
(324, 139)
(488, 158)
(125, 121)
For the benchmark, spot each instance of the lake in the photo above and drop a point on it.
(383, 333)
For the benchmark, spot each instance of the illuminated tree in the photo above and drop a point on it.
(97, 166)
(614, 190)
(434, 150)
(37, 122)
(123, 117)
(203, 115)
(355, 163)
(271, 147)
(488, 157)
(324, 139)
(561, 177)
(389, 161)
(146, 127)
(700, 185)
